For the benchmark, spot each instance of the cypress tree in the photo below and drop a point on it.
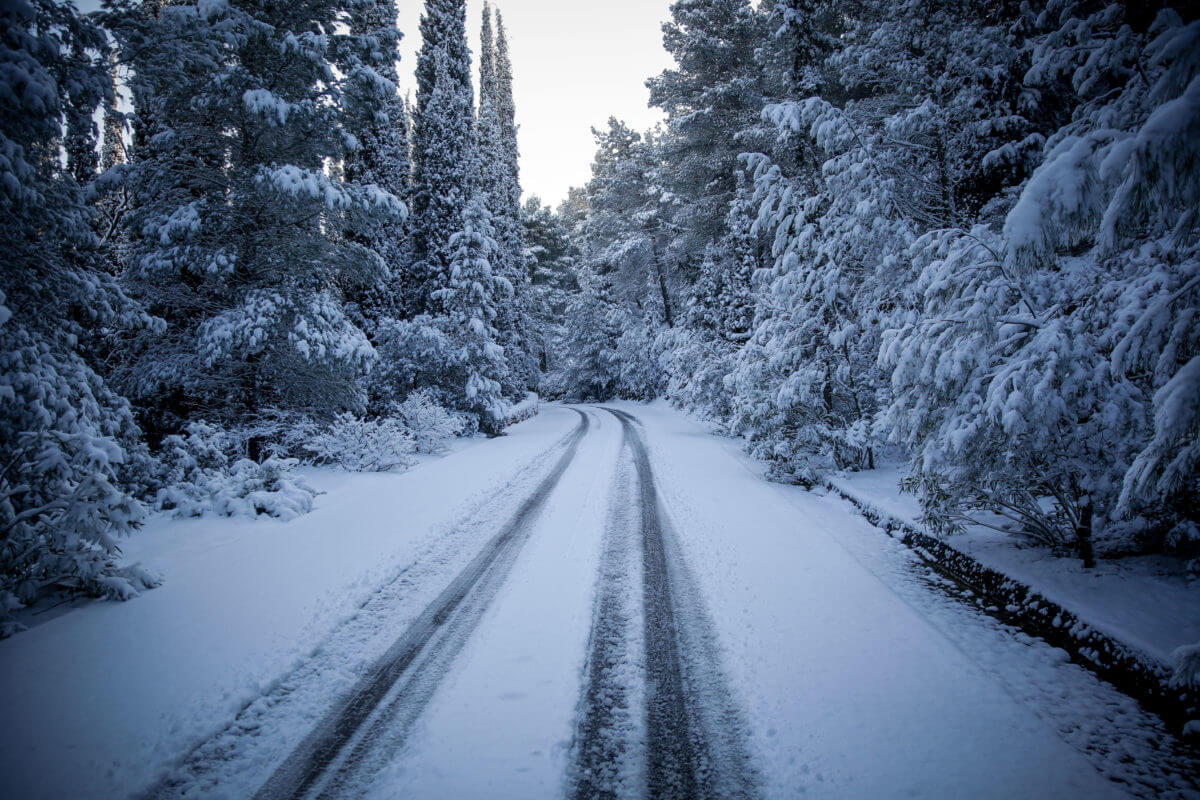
(443, 149)
(514, 323)
(378, 156)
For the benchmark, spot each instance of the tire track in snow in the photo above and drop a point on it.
(229, 764)
(610, 732)
(694, 744)
(449, 619)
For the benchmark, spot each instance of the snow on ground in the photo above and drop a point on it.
(1144, 601)
(98, 701)
(501, 722)
(851, 684)
(858, 674)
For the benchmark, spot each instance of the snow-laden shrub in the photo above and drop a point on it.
(200, 473)
(641, 373)
(1187, 666)
(362, 445)
(525, 409)
(65, 439)
(427, 422)
(696, 366)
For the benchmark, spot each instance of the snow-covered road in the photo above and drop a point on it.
(610, 602)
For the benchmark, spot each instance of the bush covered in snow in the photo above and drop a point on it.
(201, 472)
(526, 409)
(427, 422)
(414, 354)
(360, 445)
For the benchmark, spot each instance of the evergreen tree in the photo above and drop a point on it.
(552, 277)
(1064, 344)
(624, 233)
(444, 160)
(504, 199)
(512, 233)
(713, 99)
(231, 241)
(469, 302)
(67, 439)
(592, 370)
(487, 129)
(378, 153)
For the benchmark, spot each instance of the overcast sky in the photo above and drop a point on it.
(575, 63)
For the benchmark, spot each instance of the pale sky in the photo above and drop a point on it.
(575, 63)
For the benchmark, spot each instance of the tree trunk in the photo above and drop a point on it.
(1083, 533)
(662, 286)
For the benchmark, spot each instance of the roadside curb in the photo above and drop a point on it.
(1017, 604)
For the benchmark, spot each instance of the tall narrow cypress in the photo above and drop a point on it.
(378, 121)
(443, 149)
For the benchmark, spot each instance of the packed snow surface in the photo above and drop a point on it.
(853, 675)
(97, 702)
(849, 692)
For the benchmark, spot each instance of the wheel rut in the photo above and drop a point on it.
(693, 744)
(336, 753)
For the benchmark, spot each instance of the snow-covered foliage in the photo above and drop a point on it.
(357, 444)
(552, 257)
(972, 237)
(469, 302)
(1187, 666)
(235, 224)
(523, 410)
(206, 237)
(500, 188)
(590, 370)
(414, 354)
(376, 127)
(203, 471)
(1047, 377)
(67, 440)
(444, 162)
(426, 421)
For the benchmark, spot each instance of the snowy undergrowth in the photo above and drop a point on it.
(203, 470)
(357, 444)
(196, 474)
(427, 422)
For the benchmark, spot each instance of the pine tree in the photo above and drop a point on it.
(67, 439)
(378, 156)
(553, 257)
(624, 232)
(469, 302)
(713, 99)
(592, 368)
(230, 237)
(487, 128)
(444, 160)
(511, 234)
(514, 323)
(1043, 379)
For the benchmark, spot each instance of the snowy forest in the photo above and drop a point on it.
(960, 234)
(841, 433)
